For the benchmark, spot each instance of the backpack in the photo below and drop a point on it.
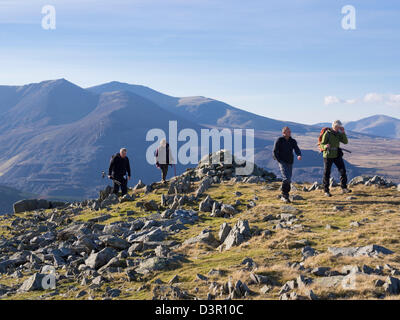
(167, 155)
(321, 134)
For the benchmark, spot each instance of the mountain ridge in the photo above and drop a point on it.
(379, 125)
(53, 155)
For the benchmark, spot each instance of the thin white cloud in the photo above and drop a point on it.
(392, 100)
(331, 100)
(328, 100)
(351, 101)
(373, 97)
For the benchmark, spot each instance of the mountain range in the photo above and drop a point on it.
(56, 137)
(377, 125)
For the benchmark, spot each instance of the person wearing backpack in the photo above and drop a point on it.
(283, 153)
(119, 167)
(163, 159)
(329, 143)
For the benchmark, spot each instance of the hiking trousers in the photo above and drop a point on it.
(286, 172)
(339, 163)
(164, 171)
(123, 186)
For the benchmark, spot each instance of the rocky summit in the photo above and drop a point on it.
(207, 234)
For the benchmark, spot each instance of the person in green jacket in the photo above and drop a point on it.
(330, 144)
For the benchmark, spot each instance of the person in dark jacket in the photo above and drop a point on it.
(164, 159)
(119, 167)
(283, 153)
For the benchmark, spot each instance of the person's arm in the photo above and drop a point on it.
(156, 155)
(343, 138)
(111, 167)
(275, 152)
(296, 148)
(128, 168)
(325, 141)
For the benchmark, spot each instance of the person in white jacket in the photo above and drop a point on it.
(164, 158)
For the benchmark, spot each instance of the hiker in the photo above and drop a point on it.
(283, 153)
(163, 159)
(119, 167)
(330, 140)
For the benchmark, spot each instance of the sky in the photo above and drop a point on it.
(288, 60)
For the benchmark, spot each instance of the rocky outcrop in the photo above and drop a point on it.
(371, 181)
(372, 250)
(237, 235)
(36, 204)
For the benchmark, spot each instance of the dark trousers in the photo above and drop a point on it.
(164, 171)
(339, 163)
(286, 172)
(123, 185)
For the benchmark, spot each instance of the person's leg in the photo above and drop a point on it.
(165, 172)
(342, 170)
(124, 186)
(115, 187)
(327, 173)
(285, 179)
(289, 175)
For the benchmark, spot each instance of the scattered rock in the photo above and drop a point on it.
(175, 279)
(205, 236)
(239, 234)
(265, 289)
(392, 285)
(224, 231)
(372, 250)
(101, 258)
(35, 282)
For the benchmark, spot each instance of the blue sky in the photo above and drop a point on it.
(288, 60)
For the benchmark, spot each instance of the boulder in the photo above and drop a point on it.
(139, 185)
(203, 186)
(35, 282)
(307, 252)
(109, 201)
(227, 209)
(36, 204)
(239, 234)
(156, 264)
(372, 250)
(101, 258)
(205, 236)
(126, 198)
(153, 235)
(315, 186)
(392, 285)
(150, 206)
(206, 205)
(103, 194)
(114, 242)
(224, 231)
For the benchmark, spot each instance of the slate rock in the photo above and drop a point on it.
(370, 250)
(101, 258)
(35, 282)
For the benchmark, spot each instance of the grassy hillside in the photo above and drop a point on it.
(375, 209)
